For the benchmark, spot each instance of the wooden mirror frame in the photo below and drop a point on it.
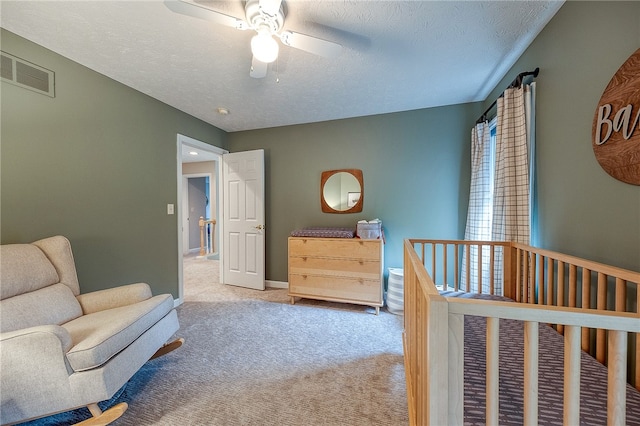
(357, 208)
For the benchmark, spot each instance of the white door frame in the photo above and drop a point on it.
(186, 140)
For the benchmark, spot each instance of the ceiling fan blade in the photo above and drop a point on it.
(197, 11)
(270, 7)
(258, 69)
(310, 44)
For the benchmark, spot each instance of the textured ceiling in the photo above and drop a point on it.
(397, 56)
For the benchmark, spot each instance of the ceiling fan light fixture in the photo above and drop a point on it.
(266, 17)
(264, 47)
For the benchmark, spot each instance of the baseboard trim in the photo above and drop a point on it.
(276, 284)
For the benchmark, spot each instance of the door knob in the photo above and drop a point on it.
(259, 227)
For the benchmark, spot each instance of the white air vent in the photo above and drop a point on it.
(27, 75)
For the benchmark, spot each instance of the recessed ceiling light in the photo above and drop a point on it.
(222, 111)
(193, 153)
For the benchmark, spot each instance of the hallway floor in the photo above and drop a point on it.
(199, 275)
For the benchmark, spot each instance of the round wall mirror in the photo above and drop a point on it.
(342, 191)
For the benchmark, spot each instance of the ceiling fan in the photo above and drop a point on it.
(266, 18)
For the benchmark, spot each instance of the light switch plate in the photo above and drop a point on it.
(169, 208)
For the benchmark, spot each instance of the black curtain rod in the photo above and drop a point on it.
(517, 82)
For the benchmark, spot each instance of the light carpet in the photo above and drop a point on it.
(252, 358)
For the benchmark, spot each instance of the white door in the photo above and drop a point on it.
(243, 234)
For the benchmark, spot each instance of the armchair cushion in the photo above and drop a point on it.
(26, 310)
(58, 251)
(25, 268)
(97, 337)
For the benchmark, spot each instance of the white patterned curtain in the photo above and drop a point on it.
(480, 203)
(512, 187)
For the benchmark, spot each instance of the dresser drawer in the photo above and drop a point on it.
(339, 289)
(335, 247)
(354, 268)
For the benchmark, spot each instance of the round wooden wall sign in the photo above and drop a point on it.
(616, 125)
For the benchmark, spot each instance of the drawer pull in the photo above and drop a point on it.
(304, 259)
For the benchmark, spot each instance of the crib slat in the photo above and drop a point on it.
(493, 357)
(550, 281)
(530, 373)
(456, 275)
(507, 253)
(532, 286)
(492, 256)
(560, 284)
(434, 276)
(573, 285)
(445, 282)
(572, 375)
(586, 288)
(550, 265)
(637, 339)
(525, 277)
(617, 376)
(468, 267)
(480, 253)
(586, 304)
(560, 290)
(518, 275)
(541, 278)
(638, 351)
(456, 369)
(601, 306)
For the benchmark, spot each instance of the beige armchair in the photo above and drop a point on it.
(61, 350)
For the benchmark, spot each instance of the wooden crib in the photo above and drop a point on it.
(594, 306)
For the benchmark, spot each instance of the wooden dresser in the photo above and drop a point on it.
(345, 270)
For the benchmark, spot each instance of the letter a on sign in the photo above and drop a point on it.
(616, 124)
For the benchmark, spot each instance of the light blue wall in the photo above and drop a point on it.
(415, 166)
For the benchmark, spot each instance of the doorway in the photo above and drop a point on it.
(198, 202)
(199, 189)
(199, 207)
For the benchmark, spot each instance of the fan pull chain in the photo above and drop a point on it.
(277, 71)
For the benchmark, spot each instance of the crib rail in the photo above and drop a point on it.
(540, 280)
(548, 278)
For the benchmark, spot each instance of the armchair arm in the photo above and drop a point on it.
(114, 297)
(35, 372)
(39, 335)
